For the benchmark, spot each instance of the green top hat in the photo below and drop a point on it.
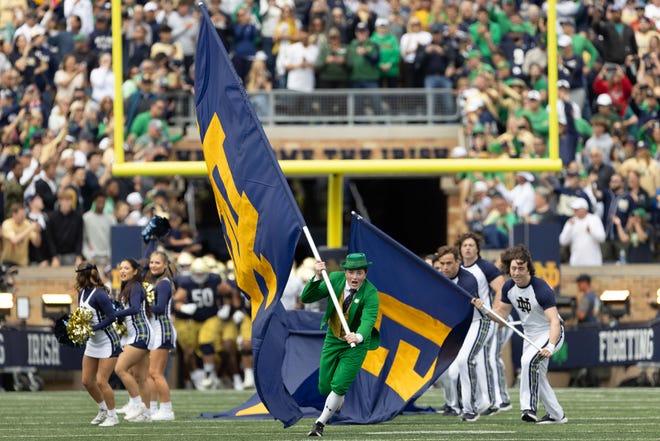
(355, 261)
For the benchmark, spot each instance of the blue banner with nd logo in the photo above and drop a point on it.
(542, 241)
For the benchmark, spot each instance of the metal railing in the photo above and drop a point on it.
(339, 106)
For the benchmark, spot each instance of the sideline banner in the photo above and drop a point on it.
(595, 346)
(38, 349)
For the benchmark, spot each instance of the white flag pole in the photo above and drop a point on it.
(326, 279)
(509, 325)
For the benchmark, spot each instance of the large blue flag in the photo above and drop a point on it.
(261, 222)
(423, 320)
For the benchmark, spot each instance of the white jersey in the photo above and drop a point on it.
(485, 272)
(531, 302)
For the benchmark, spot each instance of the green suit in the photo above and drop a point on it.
(340, 363)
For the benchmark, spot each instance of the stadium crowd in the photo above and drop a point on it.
(56, 112)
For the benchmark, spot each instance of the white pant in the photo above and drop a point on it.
(474, 388)
(485, 372)
(501, 386)
(534, 383)
(492, 364)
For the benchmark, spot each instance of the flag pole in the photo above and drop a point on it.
(326, 279)
(509, 325)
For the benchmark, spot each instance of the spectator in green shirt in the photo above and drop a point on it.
(363, 58)
(486, 34)
(535, 112)
(141, 122)
(389, 53)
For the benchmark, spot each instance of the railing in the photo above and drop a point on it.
(339, 106)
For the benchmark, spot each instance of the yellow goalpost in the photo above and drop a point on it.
(336, 169)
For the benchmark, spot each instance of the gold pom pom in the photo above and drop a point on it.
(149, 290)
(121, 328)
(79, 327)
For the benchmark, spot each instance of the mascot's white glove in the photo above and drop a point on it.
(238, 317)
(189, 308)
(223, 313)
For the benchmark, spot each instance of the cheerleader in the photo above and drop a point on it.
(163, 339)
(135, 357)
(103, 347)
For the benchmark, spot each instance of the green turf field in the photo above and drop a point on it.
(593, 414)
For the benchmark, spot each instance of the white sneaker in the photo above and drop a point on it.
(209, 383)
(248, 383)
(135, 410)
(142, 418)
(111, 420)
(139, 414)
(124, 408)
(100, 417)
(163, 415)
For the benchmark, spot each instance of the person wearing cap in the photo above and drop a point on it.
(571, 68)
(566, 193)
(362, 59)
(9, 108)
(521, 196)
(618, 39)
(580, 43)
(564, 98)
(605, 110)
(637, 237)
(535, 112)
(390, 55)
(476, 206)
(583, 233)
(100, 39)
(340, 363)
(43, 57)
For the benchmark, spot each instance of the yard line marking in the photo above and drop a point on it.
(440, 432)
